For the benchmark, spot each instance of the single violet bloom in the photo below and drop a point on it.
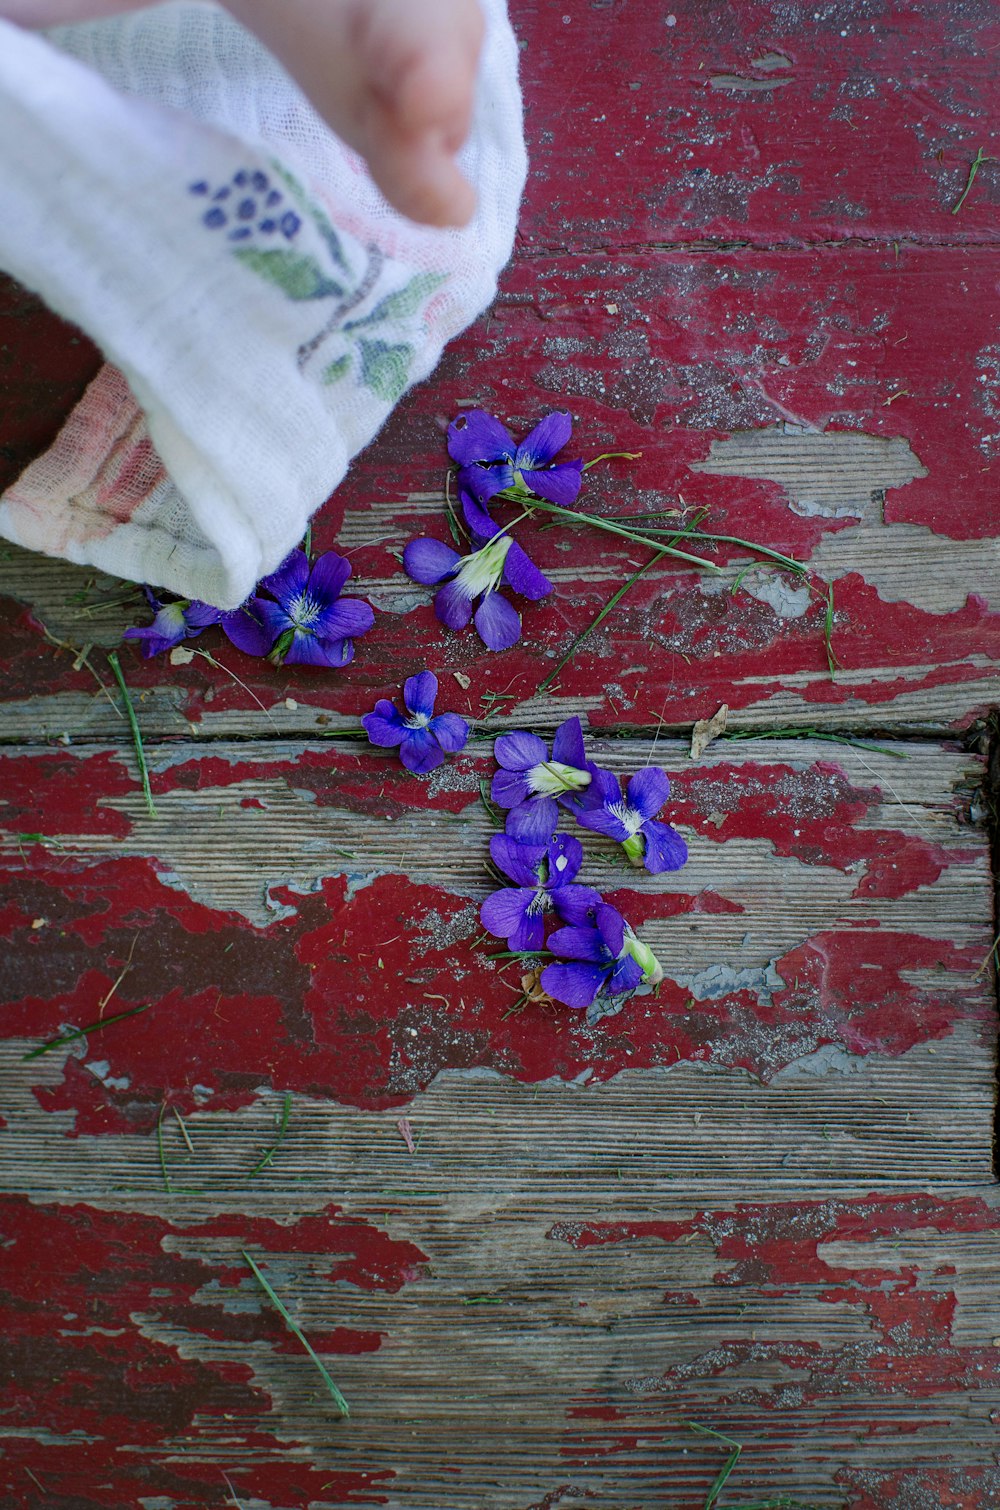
(531, 783)
(543, 877)
(423, 737)
(497, 561)
(489, 460)
(630, 819)
(605, 959)
(186, 618)
(307, 619)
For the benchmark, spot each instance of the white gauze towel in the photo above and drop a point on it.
(167, 187)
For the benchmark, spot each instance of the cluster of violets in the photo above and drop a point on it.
(298, 615)
(489, 463)
(597, 955)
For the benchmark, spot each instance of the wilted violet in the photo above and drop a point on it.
(186, 618)
(490, 460)
(630, 819)
(307, 619)
(531, 782)
(497, 561)
(543, 877)
(422, 737)
(604, 959)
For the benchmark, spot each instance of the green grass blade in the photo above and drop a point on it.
(133, 723)
(74, 1033)
(282, 1128)
(298, 1334)
(611, 603)
(162, 1152)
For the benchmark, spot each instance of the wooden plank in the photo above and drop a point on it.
(891, 502)
(530, 1306)
(312, 909)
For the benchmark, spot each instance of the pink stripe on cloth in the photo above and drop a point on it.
(98, 470)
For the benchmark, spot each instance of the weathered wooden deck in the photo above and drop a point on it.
(760, 1205)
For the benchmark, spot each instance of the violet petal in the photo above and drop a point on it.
(559, 485)
(519, 750)
(290, 579)
(574, 985)
(611, 926)
(245, 627)
(453, 605)
(509, 788)
(576, 904)
(503, 910)
(665, 849)
(497, 623)
(383, 728)
(648, 790)
(328, 576)
(450, 731)
(533, 822)
(567, 743)
(419, 751)
(428, 561)
(419, 693)
(478, 436)
(545, 440)
(578, 943)
(483, 483)
(521, 574)
(347, 618)
(518, 861)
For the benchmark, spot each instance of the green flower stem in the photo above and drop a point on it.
(751, 545)
(615, 529)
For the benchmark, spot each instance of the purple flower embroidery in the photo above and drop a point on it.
(489, 460)
(186, 618)
(531, 782)
(543, 877)
(247, 203)
(497, 560)
(423, 738)
(630, 819)
(605, 959)
(306, 618)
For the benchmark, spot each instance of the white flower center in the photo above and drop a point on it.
(628, 816)
(417, 720)
(304, 611)
(551, 777)
(481, 571)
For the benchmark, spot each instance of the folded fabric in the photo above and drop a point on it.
(168, 188)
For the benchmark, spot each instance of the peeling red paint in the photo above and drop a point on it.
(82, 1292)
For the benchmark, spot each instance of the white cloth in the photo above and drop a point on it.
(167, 187)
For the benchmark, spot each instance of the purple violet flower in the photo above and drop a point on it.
(631, 819)
(605, 959)
(423, 738)
(497, 560)
(186, 618)
(489, 459)
(543, 876)
(309, 622)
(531, 783)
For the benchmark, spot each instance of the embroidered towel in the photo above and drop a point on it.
(166, 186)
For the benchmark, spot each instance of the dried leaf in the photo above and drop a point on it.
(707, 729)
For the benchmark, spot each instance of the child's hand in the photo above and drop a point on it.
(394, 79)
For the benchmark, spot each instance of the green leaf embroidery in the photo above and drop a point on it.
(385, 369)
(404, 302)
(335, 371)
(300, 276)
(316, 215)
